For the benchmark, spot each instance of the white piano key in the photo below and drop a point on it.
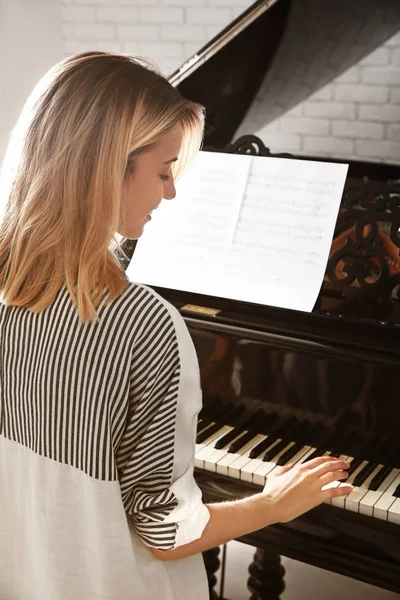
(211, 460)
(223, 430)
(352, 500)
(210, 463)
(209, 446)
(253, 464)
(232, 463)
(268, 467)
(277, 457)
(372, 496)
(340, 500)
(299, 456)
(384, 503)
(305, 456)
(394, 512)
(203, 426)
(247, 471)
(260, 474)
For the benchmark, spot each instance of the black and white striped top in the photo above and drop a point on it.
(98, 424)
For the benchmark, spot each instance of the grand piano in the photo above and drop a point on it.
(283, 386)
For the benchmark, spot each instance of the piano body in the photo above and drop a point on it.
(281, 386)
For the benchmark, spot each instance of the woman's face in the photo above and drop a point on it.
(150, 182)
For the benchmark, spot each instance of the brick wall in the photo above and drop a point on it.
(165, 31)
(334, 86)
(336, 92)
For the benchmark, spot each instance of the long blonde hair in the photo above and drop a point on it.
(76, 140)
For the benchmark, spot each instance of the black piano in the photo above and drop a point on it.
(282, 386)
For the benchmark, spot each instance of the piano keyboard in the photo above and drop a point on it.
(252, 457)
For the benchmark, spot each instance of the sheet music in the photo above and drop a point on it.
(256, 229)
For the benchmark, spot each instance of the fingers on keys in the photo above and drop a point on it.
(332, 476)
(342, 490)
(324, 464)
(327, 470)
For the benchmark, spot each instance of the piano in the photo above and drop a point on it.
(283, 386)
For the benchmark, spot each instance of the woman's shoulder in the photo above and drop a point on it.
(138, 294)
(159, 319)
(146, 304)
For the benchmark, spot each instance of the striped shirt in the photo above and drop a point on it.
(97, 430)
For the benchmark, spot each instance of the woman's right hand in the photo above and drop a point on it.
(295, 490)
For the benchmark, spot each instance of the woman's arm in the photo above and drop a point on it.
(286, 496)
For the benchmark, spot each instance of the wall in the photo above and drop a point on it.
(166, 31)
(334, 86)
(333, 91)
(30, 42)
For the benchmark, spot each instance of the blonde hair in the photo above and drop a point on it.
(75, 142)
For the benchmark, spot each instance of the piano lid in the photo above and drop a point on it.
(232, 67)
(276, 55)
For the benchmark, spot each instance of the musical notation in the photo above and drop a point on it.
(257, 229)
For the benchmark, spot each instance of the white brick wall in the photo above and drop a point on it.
(347, 113)
(355, 116)
(165, 31)
(328, 110)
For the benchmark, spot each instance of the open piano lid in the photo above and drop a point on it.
(227, 72)
(360, 294)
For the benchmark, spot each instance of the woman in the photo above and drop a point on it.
(99, 379)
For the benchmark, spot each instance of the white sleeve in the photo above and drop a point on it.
(156, 455)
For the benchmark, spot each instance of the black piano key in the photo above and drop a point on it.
(202, 425)
(396, 492)
(286, 456)
(229, 416)
(317, 452)
(364, 473)
(379, 478)
(227, 438)
(355, 463)
(240, 442)
(274, 450)
(203, 435)
(236, 420)
(279, 430)
(257, 450)
(243, 426)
